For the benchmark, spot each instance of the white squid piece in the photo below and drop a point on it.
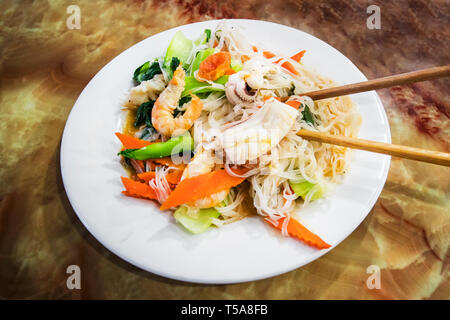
(247, 141)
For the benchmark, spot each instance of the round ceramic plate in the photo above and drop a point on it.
(137, 231)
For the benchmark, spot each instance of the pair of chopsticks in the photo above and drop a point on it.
(436, 157)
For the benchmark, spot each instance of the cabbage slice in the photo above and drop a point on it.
(197, 223)
(180, 47)
(303, 188)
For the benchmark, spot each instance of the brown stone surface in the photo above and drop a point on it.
(44, 66)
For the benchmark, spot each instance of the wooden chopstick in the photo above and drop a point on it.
(403, 78)
(436, 157)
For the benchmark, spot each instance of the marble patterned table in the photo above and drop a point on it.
(44, 65)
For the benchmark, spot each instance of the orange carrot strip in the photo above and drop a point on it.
(255, 49)
(296, 230)
(265, 98)
(137, 189)
(215, 66)
(288, 66)
(147, 176)
(172, 177)
(298, 56)
(167, 161)
(130, 142)
(201, 186)
(293, 103)
(268, 54)
(229, 72)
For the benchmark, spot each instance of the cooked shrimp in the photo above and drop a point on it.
(147, 90)
(162, 113)
(200, 164)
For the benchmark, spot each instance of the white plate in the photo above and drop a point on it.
(247, 250)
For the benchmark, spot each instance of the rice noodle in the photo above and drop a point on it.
(249, 173)
(284, 231)
(136, 166)
(159, 183)
(296, 159)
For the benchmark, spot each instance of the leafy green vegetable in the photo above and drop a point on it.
(236, 65)
(146, 71)
(225, 202)
(198, 222)
(179, 47)
(303, 188)
(174, 145)
(208, 34)
(144, 114)
(308, 116)
(174, 64)
(182, 101)
(194, 86)
(147, 134)
(217, 34)
(292, 89)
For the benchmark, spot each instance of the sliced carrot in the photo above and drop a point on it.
(172, 177)
(215, 66)
(265, 98)
(268, 54)
(137, 189)
(229, 72)
(298, 56)
(130, 142)
(167, 161)
(293, 103)
(201, 186)
(255, 49)
(147, 176)
(296, 230)
(288, 66)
